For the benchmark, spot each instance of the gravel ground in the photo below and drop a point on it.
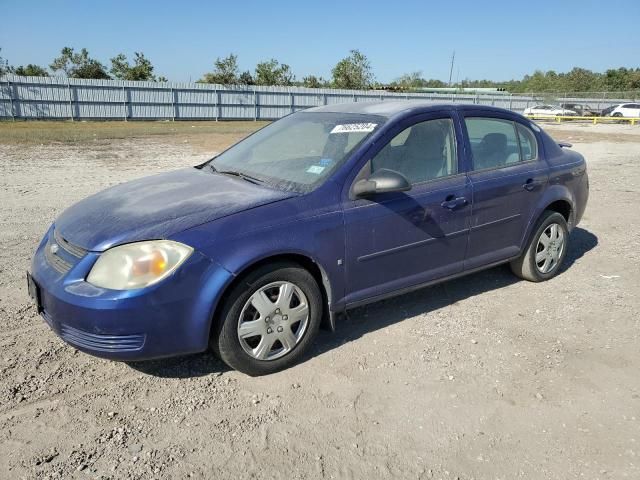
(481, 377)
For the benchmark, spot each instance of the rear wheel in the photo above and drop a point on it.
(546, 250)
(269, 319)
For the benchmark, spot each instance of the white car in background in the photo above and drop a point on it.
(549, 111)
(626, 110)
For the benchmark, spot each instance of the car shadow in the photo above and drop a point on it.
(580, 242)
(184, 366)
(360, 321)
(369, 318)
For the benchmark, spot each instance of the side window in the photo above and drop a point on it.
(528, 143)
(422, 152)
(494, 142)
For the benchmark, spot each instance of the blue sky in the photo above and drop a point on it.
(497, 40)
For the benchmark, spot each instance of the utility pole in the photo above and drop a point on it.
(453, 57)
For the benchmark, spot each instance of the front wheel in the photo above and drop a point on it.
(269, 319)
(546, 250)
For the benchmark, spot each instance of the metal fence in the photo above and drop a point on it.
(78, 99)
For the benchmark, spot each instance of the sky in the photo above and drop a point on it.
(496, 40)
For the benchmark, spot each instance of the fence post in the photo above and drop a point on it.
(10, 90)
(173, 105)
(324, 98)
(70, 99)
(255, 106)
(291, 101)
(124, 103)
(218, 110)
(510, 101)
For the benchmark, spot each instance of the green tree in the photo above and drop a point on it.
(162, 78)
(31, 70)
(245, 78)
(311, 81)
(142, 68)
(78, 65)
(225, 71)
(4, 66)
(353, 72)
(409, 81)
(272, 72)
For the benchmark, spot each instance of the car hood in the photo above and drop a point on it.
(159, 206)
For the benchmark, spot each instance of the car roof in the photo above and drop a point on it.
(390, 108)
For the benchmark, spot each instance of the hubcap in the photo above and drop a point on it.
(550, 248)
(273, 320)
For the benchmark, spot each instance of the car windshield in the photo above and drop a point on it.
(298, 152)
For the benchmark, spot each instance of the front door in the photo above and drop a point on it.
(398, 240)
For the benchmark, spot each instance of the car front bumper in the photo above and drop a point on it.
(170, 318)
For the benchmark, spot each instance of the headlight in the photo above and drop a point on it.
(137, 265)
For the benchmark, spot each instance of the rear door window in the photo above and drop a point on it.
(494, 142)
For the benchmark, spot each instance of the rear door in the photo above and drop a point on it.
(508, 178)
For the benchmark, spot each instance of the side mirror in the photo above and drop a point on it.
(382, 181)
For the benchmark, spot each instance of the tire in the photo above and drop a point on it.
(549, 257)
(617, 114)
(258, 332)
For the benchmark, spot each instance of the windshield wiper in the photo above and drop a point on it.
(241, 175)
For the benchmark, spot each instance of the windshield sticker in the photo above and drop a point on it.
(354, 127)
(315, 169)
(325, 162)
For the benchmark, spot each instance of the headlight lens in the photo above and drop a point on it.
(137, 265)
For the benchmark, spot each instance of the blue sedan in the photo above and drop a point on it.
(321, 211)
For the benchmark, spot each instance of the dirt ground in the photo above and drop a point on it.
(484, 377)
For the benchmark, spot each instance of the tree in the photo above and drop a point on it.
(162, 78)
(245, 78)
(4, 66)
(353, 71)
(409, 81)
(311, 81)
(225, 71)
(142, 69)
(31, 70)
(78, 65)
(271, 72)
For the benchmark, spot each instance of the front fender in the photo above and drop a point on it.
(291, 227)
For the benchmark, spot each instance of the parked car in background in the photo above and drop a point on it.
(581, 110)
(318, 212)
(549, 111)
(606, 112)
(631, 110)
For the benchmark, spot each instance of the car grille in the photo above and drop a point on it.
(72, 249)
(55, 261)
(64, 249)
(101, 343)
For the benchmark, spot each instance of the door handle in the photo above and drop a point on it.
(530, 184)
(452, 202)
